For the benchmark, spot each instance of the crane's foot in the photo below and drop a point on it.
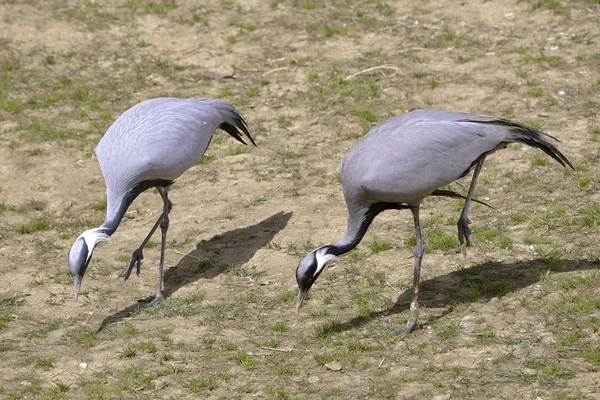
(158, 299)
(464, 234)
(411, 323)
(136, 259)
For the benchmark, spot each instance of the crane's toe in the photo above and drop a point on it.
(136, 259)
(158, 299)
(465, 235)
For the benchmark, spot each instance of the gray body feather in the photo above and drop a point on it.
(408, 157)
(159, 139)
(151, 145)
(402, 161)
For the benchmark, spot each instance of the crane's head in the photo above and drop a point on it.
(309, 269)
(81, 254)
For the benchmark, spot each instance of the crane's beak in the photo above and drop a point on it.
(301, 295)
(77, 279)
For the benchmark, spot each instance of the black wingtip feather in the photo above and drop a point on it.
(531, 137)
(237, 128)
(535, 138)
(451, 193)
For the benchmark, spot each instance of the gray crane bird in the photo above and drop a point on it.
(151, 145)
(405, 159)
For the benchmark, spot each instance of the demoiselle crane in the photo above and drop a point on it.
(405, 159)
(151, 145)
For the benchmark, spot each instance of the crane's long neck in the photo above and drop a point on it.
(117, 203)
(359, 220)
(115, 210)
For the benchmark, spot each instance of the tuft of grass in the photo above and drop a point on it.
(323, 359)
(101, 206)
(325, 331)
(35, 225)
(205, 159)
(128, 352)
(200, 385)
(245, 360)
(432, 82)
(237, 151)
(288, 155)
(534, 92)
(5, 319)
(280, 327)
(45, 363)
(436, 239)
(84, 337)
(377, 246)
(449, 331)
(288, 296)
(284, 121)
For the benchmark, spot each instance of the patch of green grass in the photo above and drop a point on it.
(31, 205)
(288, 155)
(157, 7)
(527, 378)
(284, 121)
(36, 130)
(128, 352)
(557, 371)
(288, 296)
(367, 301)
(200, 385)
(323, 359)
(45, 363)
(518, 217)
(147, 347)
(280, 327)
(227, 346)
(590, 216)
(377, 246)
(101, 206)
(84, 337)
(5, 319)
(436, 239)
(354, 255)
(327, 330)
(534, 124)
(432, 82)
(129, 331)
(205, 159)
(535, 92)
(553, 5)
(319, 313)
(204, 265)
(449, 331)
(35, 225)
(237, 151)
(42, 332)
(90, 15)
(252, 91)
(245, 360)
(542, 60)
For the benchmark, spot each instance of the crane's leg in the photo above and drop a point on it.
(137, 256)
(164, 226)
(464, 232)
(413, 315)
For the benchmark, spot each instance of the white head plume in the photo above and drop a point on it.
(92, 237)
(322, 259)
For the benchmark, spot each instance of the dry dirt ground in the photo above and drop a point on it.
(519, 317)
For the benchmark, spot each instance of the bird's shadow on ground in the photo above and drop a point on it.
(235, 247)
(478, 283)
